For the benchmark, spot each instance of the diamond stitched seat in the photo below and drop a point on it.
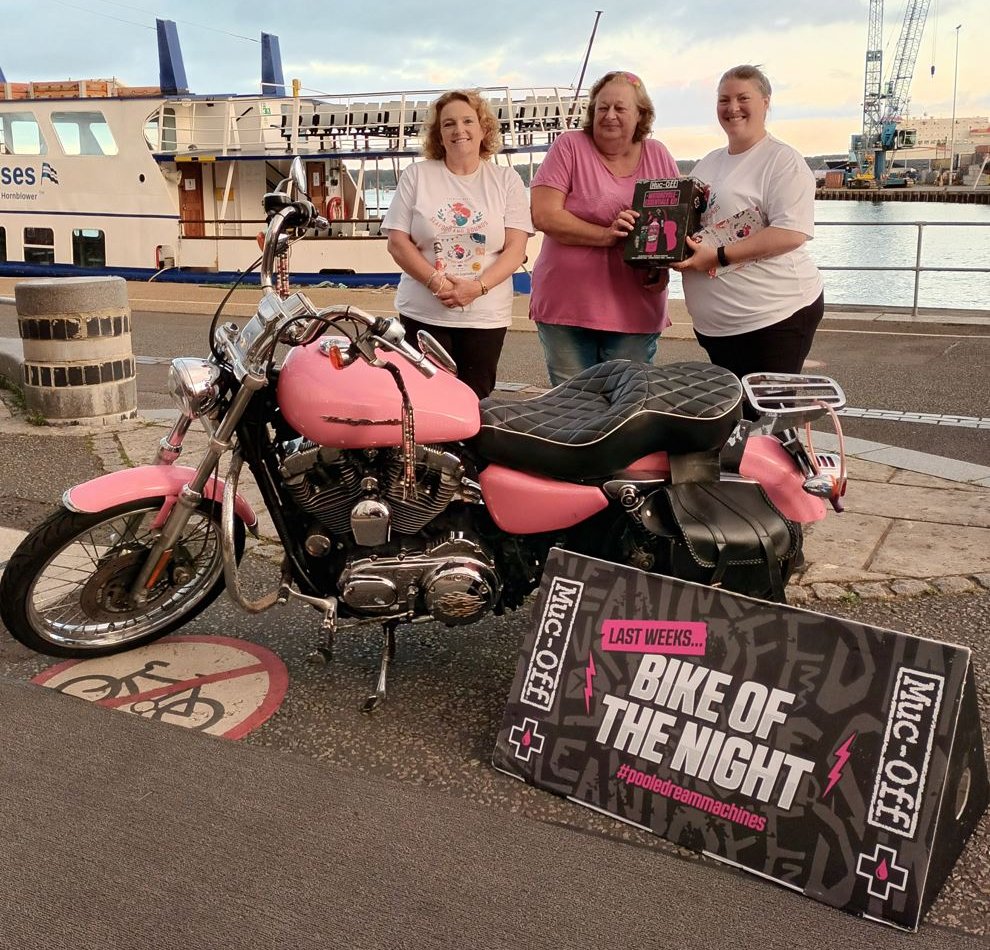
(606, 417)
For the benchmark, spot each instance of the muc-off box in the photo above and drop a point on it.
(669, 210)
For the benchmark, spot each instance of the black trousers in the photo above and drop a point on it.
(475, 352)
(780, 348)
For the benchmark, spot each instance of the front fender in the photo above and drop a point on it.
(144, 481)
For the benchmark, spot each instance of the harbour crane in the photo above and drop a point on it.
(885, 100)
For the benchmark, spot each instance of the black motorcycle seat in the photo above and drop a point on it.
(609, 415)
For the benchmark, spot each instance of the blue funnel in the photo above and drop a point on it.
(171, 71)
(272, 83)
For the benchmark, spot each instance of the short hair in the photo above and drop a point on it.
(749, 73)
(643, 102)
(491, 137)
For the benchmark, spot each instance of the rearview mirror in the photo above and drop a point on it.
(429, 346)
(298, 175)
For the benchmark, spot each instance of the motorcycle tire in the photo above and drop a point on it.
(63, 591)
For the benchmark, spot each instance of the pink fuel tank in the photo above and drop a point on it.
(359, 406)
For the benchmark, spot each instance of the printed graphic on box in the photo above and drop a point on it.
(729, 230)
(819, 752)
(669, 210)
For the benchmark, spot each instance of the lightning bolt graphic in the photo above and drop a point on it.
(589, 675)
(841, 758)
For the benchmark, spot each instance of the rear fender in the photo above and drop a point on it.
(148, 481)
(766, 461)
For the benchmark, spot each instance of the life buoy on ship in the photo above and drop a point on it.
(335, 208)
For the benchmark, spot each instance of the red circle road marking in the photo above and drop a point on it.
(236, 659)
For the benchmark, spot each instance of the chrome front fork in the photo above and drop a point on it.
(191, 495)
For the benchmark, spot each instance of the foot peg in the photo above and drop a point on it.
(323, 654)
(377, 698)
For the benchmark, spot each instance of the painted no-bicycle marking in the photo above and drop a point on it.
(218, 685)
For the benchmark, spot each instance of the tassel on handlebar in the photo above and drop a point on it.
(282, 274)
(408, 437)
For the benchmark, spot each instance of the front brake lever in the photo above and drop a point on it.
(411, 355)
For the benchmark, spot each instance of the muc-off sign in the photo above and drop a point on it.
(553, 635)
(844, 761)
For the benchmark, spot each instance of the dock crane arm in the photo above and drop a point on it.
(884, 102)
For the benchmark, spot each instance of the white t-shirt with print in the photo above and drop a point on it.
(774, 178)
(458, 222)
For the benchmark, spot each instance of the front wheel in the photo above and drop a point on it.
(65, 590)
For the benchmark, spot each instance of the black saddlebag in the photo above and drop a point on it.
(725, 534)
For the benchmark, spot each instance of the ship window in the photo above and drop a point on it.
(20, 135)
(161, 138)
(84, 133)
(89, 248)
(39, 246)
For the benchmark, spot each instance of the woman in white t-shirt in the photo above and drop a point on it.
(756, 301)
(457, 226)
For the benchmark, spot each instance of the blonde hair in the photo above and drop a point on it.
(491, 138)
(643, 102)
(749, 74)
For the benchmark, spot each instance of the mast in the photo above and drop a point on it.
(584, 65)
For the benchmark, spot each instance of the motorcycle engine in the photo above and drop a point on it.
(453, 582)
(360, 500)
(328, 483)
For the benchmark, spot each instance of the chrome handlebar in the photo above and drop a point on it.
(367, 333)
(294, 321)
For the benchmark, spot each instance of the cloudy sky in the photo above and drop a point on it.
(814, 53)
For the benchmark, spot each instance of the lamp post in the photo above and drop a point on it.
(955, 81)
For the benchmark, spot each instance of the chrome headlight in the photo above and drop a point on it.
(193, 384)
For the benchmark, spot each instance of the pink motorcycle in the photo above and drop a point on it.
(398, 498)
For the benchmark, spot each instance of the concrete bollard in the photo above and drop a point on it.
(78, 361)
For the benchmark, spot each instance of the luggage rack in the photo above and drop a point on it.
(796, 397)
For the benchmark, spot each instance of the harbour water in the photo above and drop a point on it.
(884, 234)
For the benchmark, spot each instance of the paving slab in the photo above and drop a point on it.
(929, 464)
(9, 539)
(942, 506)
(925, 549)
(839, 549)
(905, 477)
(863, 471)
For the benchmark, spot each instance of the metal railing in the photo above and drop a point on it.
(918, 268)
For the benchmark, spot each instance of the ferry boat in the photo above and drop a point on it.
(157, 183)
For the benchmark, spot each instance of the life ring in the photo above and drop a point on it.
(335, 208)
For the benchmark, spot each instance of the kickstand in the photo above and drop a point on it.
(377, 698)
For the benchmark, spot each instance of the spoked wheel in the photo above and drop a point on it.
(66, 589)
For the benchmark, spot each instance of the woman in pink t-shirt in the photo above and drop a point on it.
(588, 304)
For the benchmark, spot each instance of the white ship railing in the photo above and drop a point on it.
(354, 125)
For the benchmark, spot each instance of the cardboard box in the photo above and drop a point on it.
(669, 210)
